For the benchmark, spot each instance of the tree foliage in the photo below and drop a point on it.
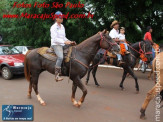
(134, 15)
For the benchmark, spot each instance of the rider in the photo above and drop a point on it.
(122, 39)
(148, 37)
(58, 40)
(114, 34)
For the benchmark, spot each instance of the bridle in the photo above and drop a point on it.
(142, 52)
(104, 39)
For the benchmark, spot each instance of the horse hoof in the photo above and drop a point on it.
(77, 105)
(43, 104)
(142, 117)
(137, 92)
(29, 96)
(122, 88)
(98, 85)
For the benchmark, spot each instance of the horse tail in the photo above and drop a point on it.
(26, 67)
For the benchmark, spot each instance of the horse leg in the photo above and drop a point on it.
(149, 97)
(88, 75)
(94, 75)
(123, 78)
(74, 87)
(131, 72)
(29, 90)
(34, 79)
(78, 82)
(149, 76)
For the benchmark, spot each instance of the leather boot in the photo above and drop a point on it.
(57, 73)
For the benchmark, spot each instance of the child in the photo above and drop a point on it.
(123, 39)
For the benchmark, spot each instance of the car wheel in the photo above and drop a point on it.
(6, 73)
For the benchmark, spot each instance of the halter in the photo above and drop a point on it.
(142, 52)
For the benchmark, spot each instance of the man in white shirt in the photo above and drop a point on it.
(114, 34)
(58, 40)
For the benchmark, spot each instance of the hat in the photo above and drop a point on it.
(122, 28)
(114, 23)
(58, 14)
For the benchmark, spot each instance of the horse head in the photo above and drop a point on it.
(108, 43)
(145, 48)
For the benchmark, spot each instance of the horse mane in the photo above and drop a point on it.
(86, 42)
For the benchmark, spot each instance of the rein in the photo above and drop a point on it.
(102, 39)
(141, 52)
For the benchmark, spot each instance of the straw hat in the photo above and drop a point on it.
(114, 23)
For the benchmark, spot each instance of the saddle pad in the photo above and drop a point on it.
(47, 54)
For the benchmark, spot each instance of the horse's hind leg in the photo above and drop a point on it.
(88, 75)
(29, 90)
(149, 97)
(34, 79)
(94, 75)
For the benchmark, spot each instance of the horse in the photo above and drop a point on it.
(158, 88)
(81, 56)
(136, 49)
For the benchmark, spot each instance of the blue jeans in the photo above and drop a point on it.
(58, 49)
(119, 55)
(153, 55)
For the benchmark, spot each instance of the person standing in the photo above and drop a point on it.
(58, 40)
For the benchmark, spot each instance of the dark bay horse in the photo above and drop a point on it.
(130, 61)
(81, 57)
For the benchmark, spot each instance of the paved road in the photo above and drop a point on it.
(105, 104)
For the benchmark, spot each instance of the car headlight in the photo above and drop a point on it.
(18, 64)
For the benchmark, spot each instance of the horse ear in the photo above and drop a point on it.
(104, 31)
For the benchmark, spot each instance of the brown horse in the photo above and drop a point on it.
(158, 65)
(81, 57)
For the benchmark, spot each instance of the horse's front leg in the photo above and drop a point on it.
(123, 78)
(74, 87)
(78, 82)
(131, 72)
(150, 95)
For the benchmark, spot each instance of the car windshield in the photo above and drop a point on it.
(8, 50)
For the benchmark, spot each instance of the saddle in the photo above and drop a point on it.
(49, 53)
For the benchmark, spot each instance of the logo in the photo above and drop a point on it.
(17, 112)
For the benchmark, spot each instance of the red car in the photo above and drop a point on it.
(11, 61)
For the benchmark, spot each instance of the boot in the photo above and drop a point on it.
(127, 52)
(120, 63)
(57, 73)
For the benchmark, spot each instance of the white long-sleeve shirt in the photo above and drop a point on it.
(114, 33)
(58, 35)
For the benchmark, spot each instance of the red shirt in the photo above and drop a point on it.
(148, 36)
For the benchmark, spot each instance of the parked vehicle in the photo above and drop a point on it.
(11, 61)
(24, 49)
